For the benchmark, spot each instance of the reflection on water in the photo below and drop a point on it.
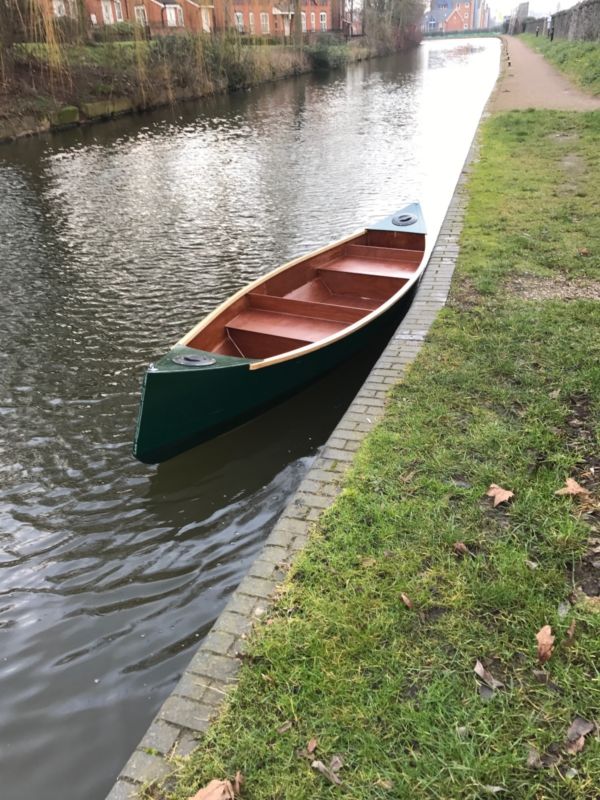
(113, 241)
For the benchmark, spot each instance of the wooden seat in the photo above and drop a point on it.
(260, 334)
(368, 266)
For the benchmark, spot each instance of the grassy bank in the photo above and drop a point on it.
(579, 60)
(61, 84)
(413, 576)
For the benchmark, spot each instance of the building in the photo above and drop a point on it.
(461, 17)
(262, 18)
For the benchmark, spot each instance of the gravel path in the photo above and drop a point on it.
(531, 82)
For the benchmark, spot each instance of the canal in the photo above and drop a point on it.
(114, 240)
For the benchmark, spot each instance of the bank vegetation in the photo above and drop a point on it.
(56, 72)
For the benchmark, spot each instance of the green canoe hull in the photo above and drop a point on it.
(183, 406)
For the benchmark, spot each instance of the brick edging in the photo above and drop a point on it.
(211, 673)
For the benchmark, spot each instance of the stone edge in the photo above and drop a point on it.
(197, 698)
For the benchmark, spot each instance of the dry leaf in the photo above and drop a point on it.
(384, 783)
(312, 746)
(545, 641)
(238, 783)
(555, 394)
(406, 600)
(499, 494)
(460, 548)
(571, 488)
(367, 561)
(486, 676)
(285, 727)
(576, 746)
(579, 727)
(215, 790)
(532, 564)
(583, 251)
(571, 632)
(534, 760)
(326, 772)
(493, 789)
(336, 764)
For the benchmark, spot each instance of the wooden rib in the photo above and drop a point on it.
(368, 266)
(284, 326)
(306, 308)
(384, 253)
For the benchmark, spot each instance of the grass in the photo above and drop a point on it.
(579, 60)
(491, 398)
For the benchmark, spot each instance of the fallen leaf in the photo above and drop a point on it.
(579, 727)
(499, 494)
(312, 746)
(532, 565)
(555, 394)
(534, 760)
(285, 727)
(563, 609)
(336, 764)
(326, 772)
(576, 746)
(571, 632)
(238, 783)
(571, 488)
(406, 600)
(571, 773)
(215, 790)
(494, 789)
(583, 251)
(368, 562)
(384, 783)
(460, 548)
(545, 641)
(485, 692)
(486, 676)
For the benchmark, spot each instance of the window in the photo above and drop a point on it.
(239, 21)
(251, 21)
(206, 20)
(313, 24)
(174, 17)
(323, 20)
(107, 15)
(303, 22)
(118, 11)
(140, 15)
(264, 22)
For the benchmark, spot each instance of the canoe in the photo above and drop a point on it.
(279, 333)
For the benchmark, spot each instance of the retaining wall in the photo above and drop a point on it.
(581, 22)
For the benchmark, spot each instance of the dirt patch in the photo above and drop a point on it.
(463, 294)
(559, 287)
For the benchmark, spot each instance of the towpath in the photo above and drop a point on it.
(531, 82)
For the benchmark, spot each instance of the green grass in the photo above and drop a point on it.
(579, 60)
(488, 400)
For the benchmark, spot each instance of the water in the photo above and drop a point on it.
(114, 240)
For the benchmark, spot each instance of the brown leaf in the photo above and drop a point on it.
(583, 251)
(326, 772)
(571, 632)
(312, 746)
(215, 790)
(285, 727)
(545, 641)
(461, 549)
(571, 488)
(238, 783)
(486, 676)
(406, 600)
(534, 760)
(579, 727)
(499, 494)
(576, 746)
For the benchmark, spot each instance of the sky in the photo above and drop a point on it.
(537, 8)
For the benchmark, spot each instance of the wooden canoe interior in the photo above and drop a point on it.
(314, 298)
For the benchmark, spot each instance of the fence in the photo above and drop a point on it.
(581, 22)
